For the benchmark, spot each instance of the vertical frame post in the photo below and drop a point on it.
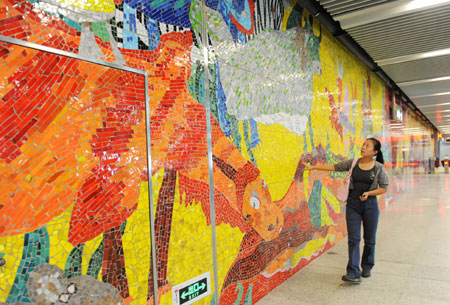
(210, 159)
(153, 256)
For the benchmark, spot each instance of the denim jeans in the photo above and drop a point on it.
(368, 213)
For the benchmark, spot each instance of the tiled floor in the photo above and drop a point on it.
(412, 257)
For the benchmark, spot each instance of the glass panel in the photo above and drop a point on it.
(74, 210)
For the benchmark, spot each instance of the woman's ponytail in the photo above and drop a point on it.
(380, 157)
(377, 147)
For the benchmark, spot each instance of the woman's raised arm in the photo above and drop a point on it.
(320, 167)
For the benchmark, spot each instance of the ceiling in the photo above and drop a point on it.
(410, 41)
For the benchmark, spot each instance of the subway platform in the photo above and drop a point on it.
(412, 257)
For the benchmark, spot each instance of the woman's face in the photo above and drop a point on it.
(368, 150)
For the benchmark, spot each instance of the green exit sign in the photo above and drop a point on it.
(192, 290)
(399, 115)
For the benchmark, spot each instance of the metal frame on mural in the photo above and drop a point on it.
(212, 206)
(39, 47)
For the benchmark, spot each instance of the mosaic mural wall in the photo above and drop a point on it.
(74, 190)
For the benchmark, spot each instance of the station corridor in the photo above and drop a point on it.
(166, 152)
(412, 264)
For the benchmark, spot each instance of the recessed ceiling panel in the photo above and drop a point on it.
(430, 101)
(336, 7)
(419, 69)
(418, 32)
(438, 109)
(427, 88)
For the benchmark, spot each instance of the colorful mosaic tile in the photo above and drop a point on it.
(74, 197)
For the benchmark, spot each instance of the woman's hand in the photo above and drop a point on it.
(378, 191)
(319, 167)
(364, 196)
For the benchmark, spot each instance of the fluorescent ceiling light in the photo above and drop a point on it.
(417, 4)
(438, 111)
(421, 81)
(385, 11)
(433, 94)
(400, 59)
(442, 116)
(434, 105)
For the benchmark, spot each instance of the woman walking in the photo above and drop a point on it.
(368, 179)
